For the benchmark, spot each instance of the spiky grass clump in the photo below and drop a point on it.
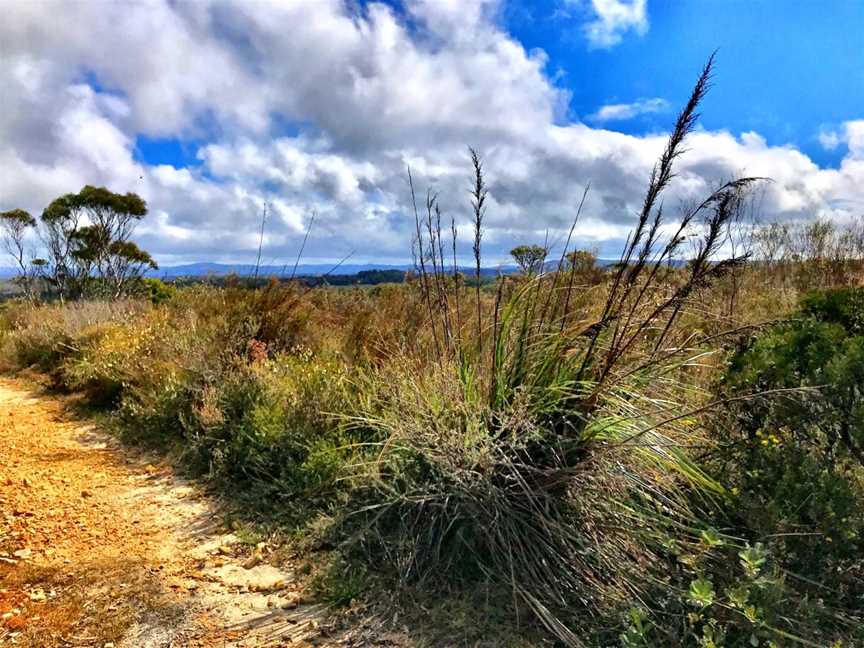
(568, 509)
(548, 451)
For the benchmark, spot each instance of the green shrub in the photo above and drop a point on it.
(273, 424)
(843, 306)
(821, 355)
(512, 481)
(153, 411)
(794, 458)
(157, 291)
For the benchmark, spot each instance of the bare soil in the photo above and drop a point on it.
(103, 546)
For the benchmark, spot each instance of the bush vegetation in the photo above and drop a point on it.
(658, 453)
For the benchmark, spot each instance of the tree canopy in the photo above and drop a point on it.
(86, 236)
(530, 258)
(17, 218)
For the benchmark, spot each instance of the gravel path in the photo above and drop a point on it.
(100, 547)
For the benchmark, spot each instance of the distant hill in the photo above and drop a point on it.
(303, 270)
(205, 269)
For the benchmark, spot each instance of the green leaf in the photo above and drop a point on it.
(753, 558)
(711, 538)
(738, 596)
(701, 592)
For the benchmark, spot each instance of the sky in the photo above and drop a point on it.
(315, 109)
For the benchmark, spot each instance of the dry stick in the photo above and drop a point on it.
(562, 259)
(445, 299)
(653, 358)
(437, 260)
(661, 175)
(441, 278)
(633, 274)
(716, 271)
(424, 278)
(606, 316)
(542, 269)
(697, 410)
(533, 322)
(667, 252)
(430, 207)
(493, 387)
(540, 275)
(302, 246)
(331, 270)
(438, 234)
(260, 242)
(613, 354)
(676, 302)
(565, 314)
(456, 286)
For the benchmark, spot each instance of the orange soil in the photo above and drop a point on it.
(100, 548)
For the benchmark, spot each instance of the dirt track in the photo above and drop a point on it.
(102, 548)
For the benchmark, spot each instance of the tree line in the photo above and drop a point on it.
(86, 246)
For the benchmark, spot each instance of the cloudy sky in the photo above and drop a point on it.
(210, 110)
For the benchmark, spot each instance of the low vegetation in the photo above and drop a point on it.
(656, 453)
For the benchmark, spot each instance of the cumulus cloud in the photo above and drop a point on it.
(850, 133)
(613, 19)
(623, 111)
(829, 139)
(319, 107)
(853, 132)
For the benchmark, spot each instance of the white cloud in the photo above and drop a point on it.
(612, 19)
(854, 138)
(850, 133)
(364, 93)
(829, 139)
(622, 111)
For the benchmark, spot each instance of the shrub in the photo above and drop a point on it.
(44, 336)
(157, 291)
(547, 451)
(822, 355)
(272, 424)
(794, 457)
(114, 357)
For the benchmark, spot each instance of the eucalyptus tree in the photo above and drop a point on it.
(14, 225)
(530, 258)
(87, 236)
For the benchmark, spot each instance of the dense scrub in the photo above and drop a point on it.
(324, 403)
(794, 457)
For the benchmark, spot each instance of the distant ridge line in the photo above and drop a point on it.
(208, 269)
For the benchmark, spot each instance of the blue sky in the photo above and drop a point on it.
(785, 69)
(212, 110)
